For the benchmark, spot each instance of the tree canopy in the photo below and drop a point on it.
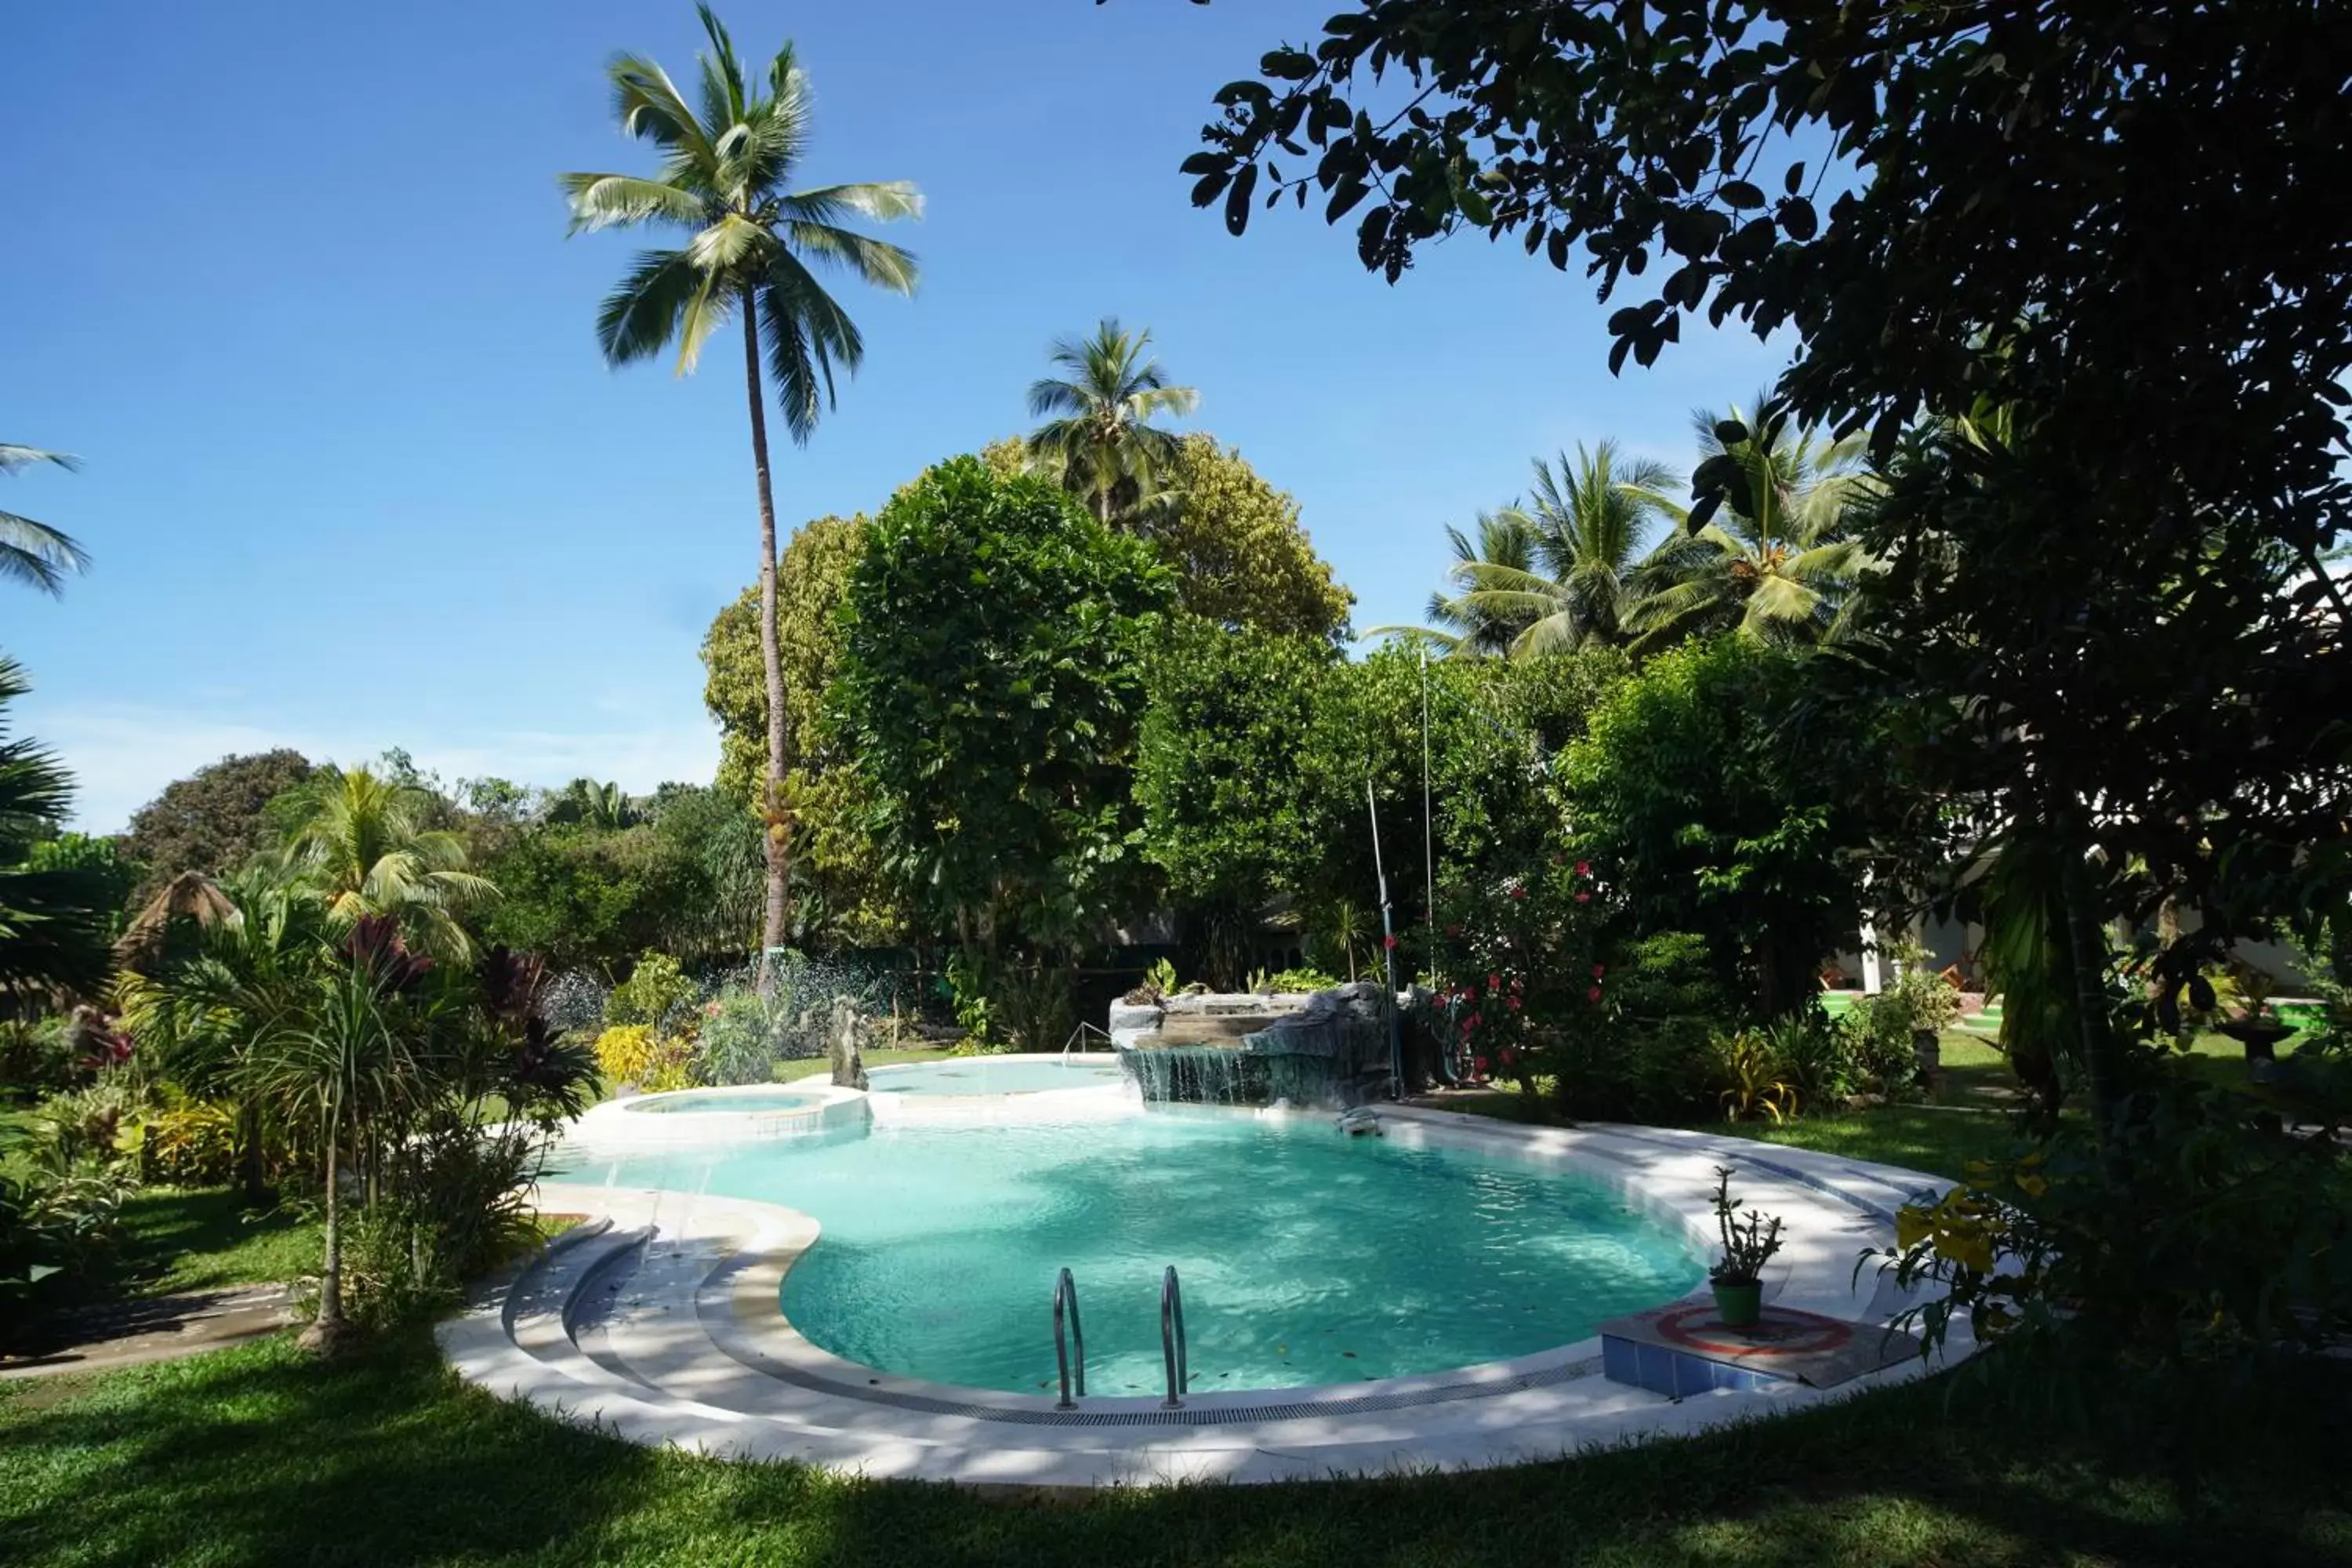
(990, 687)
(212, 821)
(1240, 556)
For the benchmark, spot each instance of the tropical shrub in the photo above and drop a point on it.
(1818, 1059)
(740, 1037)
(2205, 1234)
(1756, 1084)
(657, 994)
(56, 1223)
(636, 1055)
(1031, 1005)
(1648, 1054)
(184, 1142)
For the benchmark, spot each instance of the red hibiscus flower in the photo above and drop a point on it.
(1480, 1064)
(1584, 898)
(1512, 1003)
(1584, 867)
(1389, 942)
(1593, 995)
(1599, 970)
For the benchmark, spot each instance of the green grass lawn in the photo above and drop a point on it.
(257, 1455)
(203, 1238)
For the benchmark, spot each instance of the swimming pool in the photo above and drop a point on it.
(1307, 1258)
(741, 1101)
(984, 1075)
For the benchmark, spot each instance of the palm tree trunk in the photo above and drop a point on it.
(249, 1151)
(330, 1330)
(777, 833)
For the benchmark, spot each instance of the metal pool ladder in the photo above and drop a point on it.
(1171, 1339)
(1065, 1300)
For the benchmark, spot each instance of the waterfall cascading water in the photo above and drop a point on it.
(1327, 1050)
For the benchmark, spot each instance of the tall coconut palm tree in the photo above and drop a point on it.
(33, 552)
(1778, 562)
(362, 844)
(1099, 439)
(751, 248)
(1562, 570)
(1463, 625)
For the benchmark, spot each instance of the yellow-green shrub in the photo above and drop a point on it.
(634, 1054)
(191, 1144)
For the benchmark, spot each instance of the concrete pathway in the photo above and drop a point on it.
(160, 1328)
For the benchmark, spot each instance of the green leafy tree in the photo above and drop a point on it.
(2112, 621)
(1217, 775)
(725, 180)
(213, 821)
(1708, 808)
(1240, 556)
(357, 838)
(54, 921)
(1098, 440)
(990, 689)
(102, 858)
(33, 552)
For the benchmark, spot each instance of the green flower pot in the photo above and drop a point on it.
(1740, 1305)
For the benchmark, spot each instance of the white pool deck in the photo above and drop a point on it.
(657, 1321)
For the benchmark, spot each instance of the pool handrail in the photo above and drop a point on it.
(1171, 1339)
(1065, 1299)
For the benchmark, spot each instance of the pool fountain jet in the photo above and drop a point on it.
(1328, 1048)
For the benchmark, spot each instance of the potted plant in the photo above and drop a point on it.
(1749, 1243)
(1932, 1002)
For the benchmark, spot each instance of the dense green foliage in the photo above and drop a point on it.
(990, 689)
(1714, 802)
(592, 898)
(1240, 556)
(54, 916)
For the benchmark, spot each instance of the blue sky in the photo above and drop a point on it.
(293, 281)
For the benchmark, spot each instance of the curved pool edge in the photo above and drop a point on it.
(714, 1365)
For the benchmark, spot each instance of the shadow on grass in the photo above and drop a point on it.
(257, 1456)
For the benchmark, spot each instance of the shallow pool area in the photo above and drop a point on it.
(706, 1103)
(1307, 1257)
(997, 1075)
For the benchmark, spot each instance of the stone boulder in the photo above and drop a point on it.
(848, 1062)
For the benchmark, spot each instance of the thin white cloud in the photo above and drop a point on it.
(122, 754)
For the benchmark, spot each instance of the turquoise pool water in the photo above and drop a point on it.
(739, 1101)
(1307, 1257)
(978, 1075)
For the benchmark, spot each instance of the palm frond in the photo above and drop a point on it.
(883, 202)
(621, 201)
(638, 319)
(883, 265)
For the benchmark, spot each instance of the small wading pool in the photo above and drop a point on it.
(978, 1075)
(1307, 1257)
(741, 1102)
